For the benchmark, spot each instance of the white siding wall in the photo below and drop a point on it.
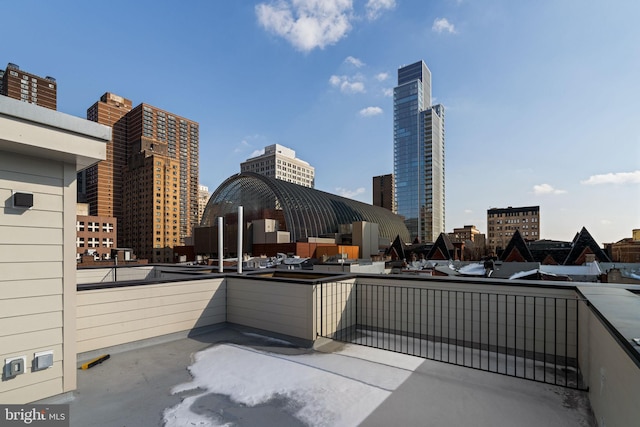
(284, 308)
(31, 274)
(108, 317)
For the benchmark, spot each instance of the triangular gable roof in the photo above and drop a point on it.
(583, 245)
(549, 260)
(516, 250)
(549, 252)
(442, 248)
(397, 249)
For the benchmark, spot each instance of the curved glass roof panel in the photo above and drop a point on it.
(302, 211)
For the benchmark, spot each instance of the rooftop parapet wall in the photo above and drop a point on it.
(306, 308)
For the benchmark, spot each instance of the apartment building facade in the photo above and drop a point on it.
(503, 222)
(149, 181)
(96, 235)
(383, 192)
(102, 183)
(24, 86)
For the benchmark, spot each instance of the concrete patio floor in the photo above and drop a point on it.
(136, 387)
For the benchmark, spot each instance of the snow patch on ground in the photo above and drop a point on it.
(336, 389)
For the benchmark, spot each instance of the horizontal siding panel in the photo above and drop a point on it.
(16, 344)
(30, 288)
(33, 218)
(139, 304)
(282, 318)
(33, 392)
(29, 253)
(25, 272)
(299, 310)
(125, 327)
(43, 201)
(29, 184)
(265, 298)
(277, 291)
(141, 334)
(151, 312)
(33, 322)
(34, 305)
(279, 324)
(270, 288)
(48, 202)
(97, 296)
(30, 236)
(29, 165)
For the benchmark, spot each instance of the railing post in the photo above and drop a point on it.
(321, 311)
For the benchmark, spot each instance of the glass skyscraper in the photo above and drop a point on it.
(418, 153)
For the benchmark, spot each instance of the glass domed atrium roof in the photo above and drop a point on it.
(304, 212)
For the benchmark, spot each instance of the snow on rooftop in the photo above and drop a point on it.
(520, 274)
(472, 270)
(337, 389)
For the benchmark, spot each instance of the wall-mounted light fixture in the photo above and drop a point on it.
(22, 200)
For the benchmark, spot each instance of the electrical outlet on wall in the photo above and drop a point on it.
(14, 366)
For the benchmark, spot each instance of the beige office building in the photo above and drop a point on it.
(280, 162)
(503, 222)
(203, 198)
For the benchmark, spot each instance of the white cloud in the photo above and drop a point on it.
(347, 84)
(606, 222)
(443, 24)
(387, 92)
(382, 77)
(307, 24)
(375, 8)
(370, 111)
(614, 178)
(345, 192)
(468, 211)
(354, 61)
(244, 144)
(257, 153)
(546, 189)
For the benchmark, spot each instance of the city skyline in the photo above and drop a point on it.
(540, 100)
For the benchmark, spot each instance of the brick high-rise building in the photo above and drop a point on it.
(103, 182)
(383, 192)
(150, 178)
(18, 84)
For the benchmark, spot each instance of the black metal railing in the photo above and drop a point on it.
(528, 336)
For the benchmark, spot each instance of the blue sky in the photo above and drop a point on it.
(541, 97)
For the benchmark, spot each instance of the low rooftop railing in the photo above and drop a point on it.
(535, 337)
